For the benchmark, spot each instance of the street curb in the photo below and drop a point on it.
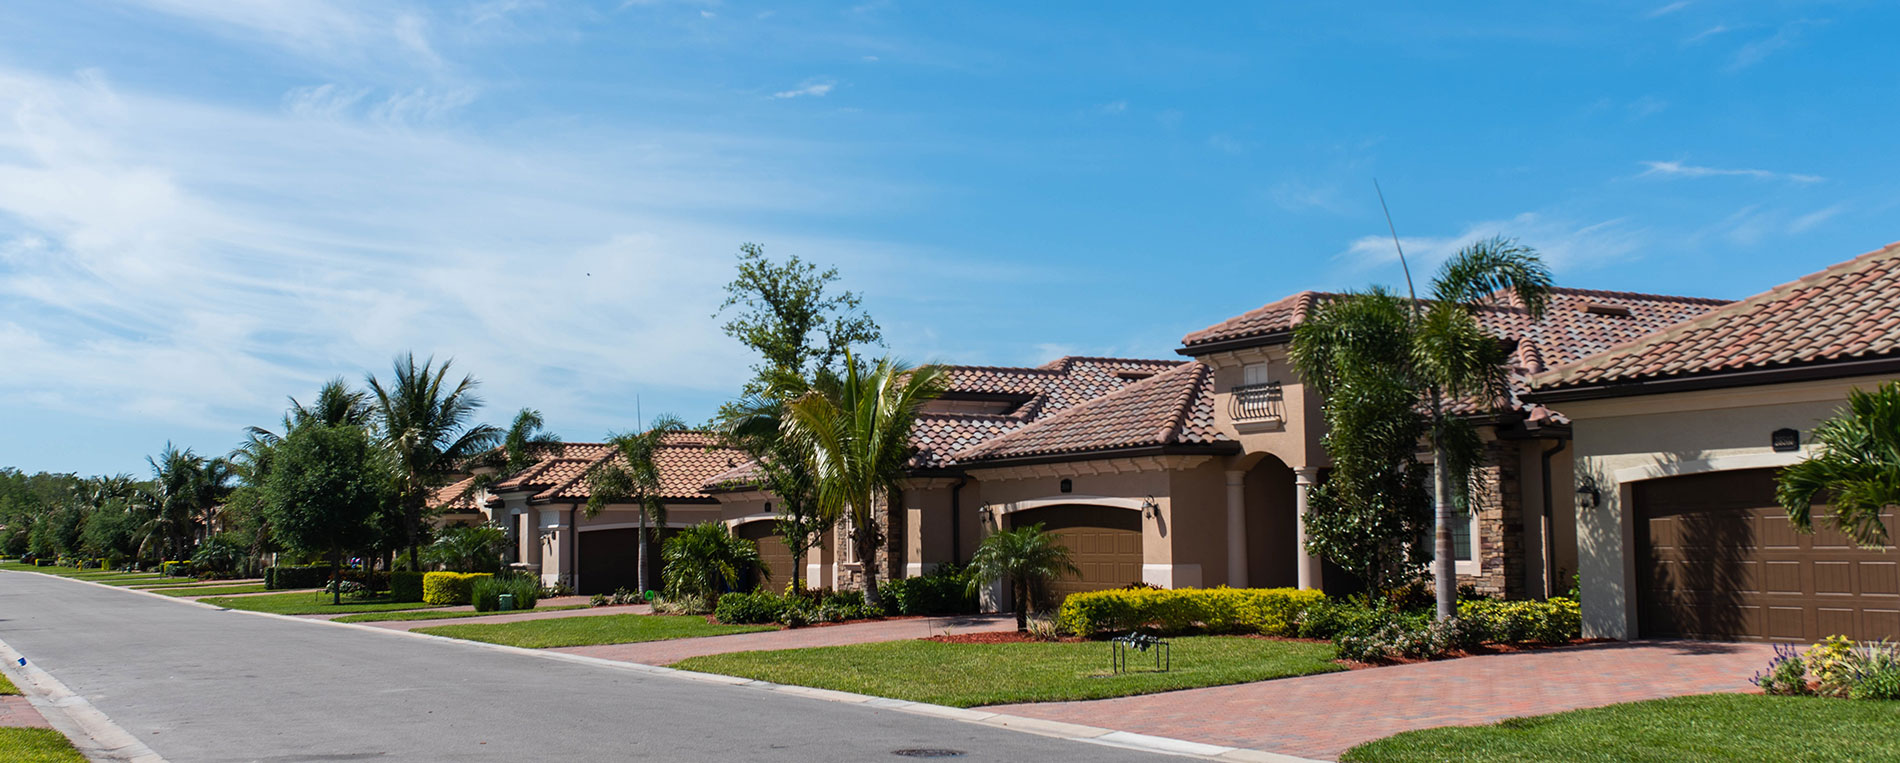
(1070, 731)
(90, 731)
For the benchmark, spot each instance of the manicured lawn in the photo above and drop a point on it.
(377, 617)
(37, 746)
(7, 687)
(96, 576)
(310, 603)
(590, 630)
(206, 590)
(967, 675)
(1739, 727)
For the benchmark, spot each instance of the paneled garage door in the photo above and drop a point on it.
(609, 559)
(1718, 559)
(1105, 543)
(773, 551)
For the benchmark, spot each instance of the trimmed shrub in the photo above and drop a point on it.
(485, 592)
(942, 591)
(1266, 611)
(405, 586)
(283, 577)
(175, 569)
(449, 587)
(1555, 621)
(750, 608)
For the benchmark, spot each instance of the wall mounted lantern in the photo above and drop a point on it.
(1588, 496)
(1150, 509)
(986, 513)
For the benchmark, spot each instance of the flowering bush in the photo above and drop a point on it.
(1786, 673)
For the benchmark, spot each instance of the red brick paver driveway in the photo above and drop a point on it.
(897, 629)
(1322, 716)
(18, 711)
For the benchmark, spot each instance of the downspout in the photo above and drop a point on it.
(573, 528)
(1550, 539)
(956, 519)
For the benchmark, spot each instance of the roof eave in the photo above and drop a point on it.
(1281, 336)
(1887, 364)
(1211, 449)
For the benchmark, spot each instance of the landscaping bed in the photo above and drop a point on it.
(377, 617)
(964, 674)
(1739, 727)
(591, 630)
(311, 603)
(37, 746)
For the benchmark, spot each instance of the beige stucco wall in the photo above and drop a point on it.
(1621, 441)
(1011, 489)
(1296, 442)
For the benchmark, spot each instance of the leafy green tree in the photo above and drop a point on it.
(185, 489)
(1027, 558)
(1370, 513)
(326, 488)
(635, 478)
(1855, 468)
(853, 434)
(706, 560)
(468, 549)
(426, 424)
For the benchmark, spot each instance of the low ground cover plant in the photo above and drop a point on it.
(941, 591)
(794, 609)
(1839, 667)
(1379, 630)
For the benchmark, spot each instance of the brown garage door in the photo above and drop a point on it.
(1718, 559)
(773, 551)
(609, 559)
(1104, 542)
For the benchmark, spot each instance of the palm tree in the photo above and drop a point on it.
(522, 445)
(755, 424)
(1856, 468)
(635, 479)
(854, 436)
(425, 424)
(1456, 357)
(336, 405)
(706, 559)
(185, 488)
(1027, 558)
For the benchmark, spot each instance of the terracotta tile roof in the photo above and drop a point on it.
(687, 461)
(1271, 318)
(553, 468)
(455, 498)
(1848, 311)
(1172, 408)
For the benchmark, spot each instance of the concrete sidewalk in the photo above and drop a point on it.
(895, 629)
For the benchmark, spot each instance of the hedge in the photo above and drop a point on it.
(283, 577)
(1554, 621)
(175, 569)
(405, 586)
(1266, 611)
(449, 587)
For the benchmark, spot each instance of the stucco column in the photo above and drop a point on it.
(1237, 528)
(1303, 480)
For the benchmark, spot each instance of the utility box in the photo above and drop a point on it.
(505, 602)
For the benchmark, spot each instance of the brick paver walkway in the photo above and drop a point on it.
(17, 712)
(1322, 716)
(898, 629)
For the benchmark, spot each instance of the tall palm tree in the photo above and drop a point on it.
(185, 488)
(854, 435)
(1027, 558)
(635, 478)
(1456, 357)
(526, 440)
(336, 405)
(1856, 468)
(755, 424)
(425, 423)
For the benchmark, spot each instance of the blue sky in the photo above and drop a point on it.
(206, 207)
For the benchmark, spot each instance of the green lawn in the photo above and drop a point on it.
(590, 630)
(377, 617)
(7, 687)
(967, 675)
(1739, 727)
(310, 603)
(207, 590)
(37, 746)
(98, 576)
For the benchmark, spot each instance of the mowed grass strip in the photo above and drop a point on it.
(1710, 727)
(7, 687)
(968, 675)
(37, 746)
(591, 630)
(378, 617)
(205, 590)
(310, 603)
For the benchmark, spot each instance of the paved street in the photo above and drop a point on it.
(202, 685)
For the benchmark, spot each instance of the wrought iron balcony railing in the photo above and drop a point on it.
(1255, 402)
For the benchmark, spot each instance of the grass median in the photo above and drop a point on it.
(1737, 727)
(968, 675)
(205, 590)
(7, 687)
(312, 603)
(380, 617)
(591, 630)
(37, 746)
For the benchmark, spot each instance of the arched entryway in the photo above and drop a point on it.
(1272, 524)
(609, 559)
(1104, 542)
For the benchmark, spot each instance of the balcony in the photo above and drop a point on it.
(1256, 407)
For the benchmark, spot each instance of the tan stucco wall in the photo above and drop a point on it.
(1621, 441)
(1005, 493)
(1297, 442)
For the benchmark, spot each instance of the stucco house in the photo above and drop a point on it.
(1678, 436)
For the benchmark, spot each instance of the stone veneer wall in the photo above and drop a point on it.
(1500, 531)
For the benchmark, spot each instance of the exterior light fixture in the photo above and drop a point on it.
(988, 514)
(1150, 509)
(1588, 496)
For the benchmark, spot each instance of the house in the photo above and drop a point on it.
(1678, 436)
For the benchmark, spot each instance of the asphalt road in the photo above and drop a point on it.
(197, 684)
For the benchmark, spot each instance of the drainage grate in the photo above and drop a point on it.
(928, 753)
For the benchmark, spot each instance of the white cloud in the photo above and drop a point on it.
(1565, 245)
(1677, 169)
(1753, 52)
(335, 31)
(1645, 106)
(813, 88)
(1707, 33)
(1808, 221)
(1667, 9)
(1113, 108)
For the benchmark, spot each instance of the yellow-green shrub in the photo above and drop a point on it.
(449, 587)
(1554, 621)
(1266, 611)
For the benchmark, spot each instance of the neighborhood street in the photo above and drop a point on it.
(197, 684)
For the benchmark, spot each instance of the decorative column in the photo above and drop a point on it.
(1237, 528)
(1309, 570)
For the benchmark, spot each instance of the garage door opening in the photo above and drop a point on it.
(773, 552)
(1104, 542)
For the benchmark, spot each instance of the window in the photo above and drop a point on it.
(1253, 373)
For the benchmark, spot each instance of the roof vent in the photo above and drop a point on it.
(1133, 375)
(1599, 308)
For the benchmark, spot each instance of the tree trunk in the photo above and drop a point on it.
(641, 575)
(1021, 590)
(411, 519)
(867, 559)
(336, 575)
(1444, 563)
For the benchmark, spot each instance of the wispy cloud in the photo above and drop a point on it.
(1754, 52)
(334, 32)
(1677, 169)
(1665, 10)
(1810, 220)
(1707, 33)
(1113, 108)
(1645, 106)
(1565, 245)
(813, 88)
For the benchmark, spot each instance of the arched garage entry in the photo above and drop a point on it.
(773, 551)
(610, 559)
(1104, 541)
